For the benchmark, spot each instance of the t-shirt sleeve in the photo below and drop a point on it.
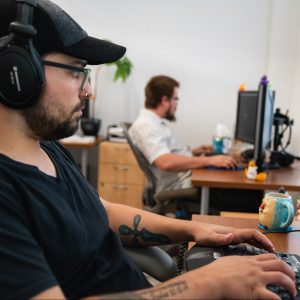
(24, 268)
(150, 141)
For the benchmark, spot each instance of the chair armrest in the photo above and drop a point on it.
(192, 193)
(154, 262)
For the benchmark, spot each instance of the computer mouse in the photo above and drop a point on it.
(247, 154)
(199, 256)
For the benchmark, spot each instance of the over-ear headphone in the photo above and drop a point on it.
(21, 68)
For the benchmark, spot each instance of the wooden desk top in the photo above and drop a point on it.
(283, 242)
(77, 143)
(288, 177)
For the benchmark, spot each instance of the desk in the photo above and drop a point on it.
(288, 177)
(84, 143)
(283, 242)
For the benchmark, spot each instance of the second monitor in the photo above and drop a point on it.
(246, 116)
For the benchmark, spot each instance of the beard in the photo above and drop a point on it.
(170, 116)
(45, 126)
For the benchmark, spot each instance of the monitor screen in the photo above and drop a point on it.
(264, 122)
(246, 116)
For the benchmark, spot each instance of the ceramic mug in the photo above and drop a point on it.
(276, 212)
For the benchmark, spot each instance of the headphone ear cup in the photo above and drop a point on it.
(21, 76)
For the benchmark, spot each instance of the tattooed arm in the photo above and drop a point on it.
(219, 280)
(140, 228)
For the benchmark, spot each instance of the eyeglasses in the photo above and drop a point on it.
(82, 73)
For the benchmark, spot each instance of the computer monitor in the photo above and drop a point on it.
(264, 122)
(246, 116)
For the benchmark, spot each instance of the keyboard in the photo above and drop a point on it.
(236, 168)
(199, 256)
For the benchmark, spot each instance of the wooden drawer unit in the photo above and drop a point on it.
(127, 194)
(120, 179)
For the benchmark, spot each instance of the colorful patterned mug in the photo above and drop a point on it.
(276, 212)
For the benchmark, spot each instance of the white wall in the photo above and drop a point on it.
(284, 63)
(210, 46)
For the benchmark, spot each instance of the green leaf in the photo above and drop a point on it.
(123, 68)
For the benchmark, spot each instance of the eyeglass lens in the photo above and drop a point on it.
(86, 78)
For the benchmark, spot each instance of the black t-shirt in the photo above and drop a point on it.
(55, 231)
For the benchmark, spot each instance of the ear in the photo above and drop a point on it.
(165, 100)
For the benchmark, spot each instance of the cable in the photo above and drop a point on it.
(282, 123)
(289, 137)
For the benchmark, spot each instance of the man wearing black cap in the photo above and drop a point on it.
(57, 238)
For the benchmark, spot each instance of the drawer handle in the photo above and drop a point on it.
(121, 149)
(121, 168)
(120, 187)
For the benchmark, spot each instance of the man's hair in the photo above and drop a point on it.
(158, 87)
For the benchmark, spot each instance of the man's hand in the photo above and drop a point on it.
(246, 277)
(252, 237)
(202, 150)
(211, 235)
(224, 161)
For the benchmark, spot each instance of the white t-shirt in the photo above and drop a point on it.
(153, 137)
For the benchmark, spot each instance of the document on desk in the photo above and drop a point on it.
(81, 139)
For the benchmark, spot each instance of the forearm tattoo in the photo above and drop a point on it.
(170, 291)
(144, 234)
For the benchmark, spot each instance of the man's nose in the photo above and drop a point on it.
(87, 91)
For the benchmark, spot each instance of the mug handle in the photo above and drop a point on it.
(290, 217)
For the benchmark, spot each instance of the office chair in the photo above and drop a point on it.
(154, 262)
(161, 202)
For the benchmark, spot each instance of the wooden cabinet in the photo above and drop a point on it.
(120, 179)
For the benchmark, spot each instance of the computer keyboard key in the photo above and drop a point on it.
(285, 296)
(273, 288)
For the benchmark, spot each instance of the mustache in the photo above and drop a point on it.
(79, 106)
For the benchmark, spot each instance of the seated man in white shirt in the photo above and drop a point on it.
(171, 162)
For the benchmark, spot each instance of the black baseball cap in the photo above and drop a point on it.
(58, 32)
